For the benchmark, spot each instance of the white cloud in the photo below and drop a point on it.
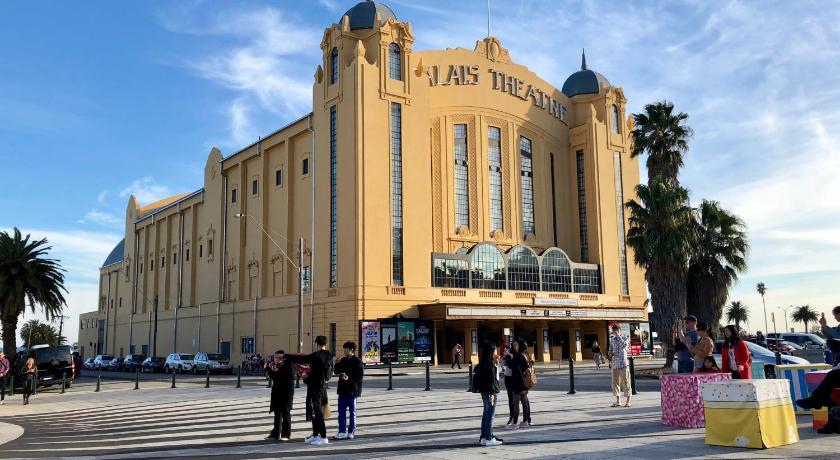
(103, 218)
(146, 190)
(103, 195)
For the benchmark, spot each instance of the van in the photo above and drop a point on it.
(53, 363)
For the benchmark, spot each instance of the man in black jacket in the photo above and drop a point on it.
(282, 376)
(320, 370)
(350, 371)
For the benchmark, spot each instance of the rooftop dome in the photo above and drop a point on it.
(584, 81)
(116, 254)
(363, 15)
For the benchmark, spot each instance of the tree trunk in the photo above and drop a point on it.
(10, 337)
(668, 297)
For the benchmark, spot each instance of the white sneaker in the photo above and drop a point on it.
(492, 442)
(284, 439)
(482, 442)
(319, 441)
(341, 436)
(350, 435)
(512, 426)
(310, 439)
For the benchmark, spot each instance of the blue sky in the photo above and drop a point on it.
(101, 100)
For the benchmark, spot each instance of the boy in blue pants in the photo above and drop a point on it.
(350, 371)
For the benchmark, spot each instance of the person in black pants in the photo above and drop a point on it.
(282, 378)
(821, 396)
(320, 371)
(519, 364)
(507, 359)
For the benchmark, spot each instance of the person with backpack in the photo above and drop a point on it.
(320, 371)
(486, 382)
(521, 380)
(350, 371)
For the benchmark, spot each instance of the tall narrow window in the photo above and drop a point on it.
(584, 228)
(333, 66)
(394, 61)
(553, 200)
(619, 211)
(526, 185)
(333, 200)
(616, 120)
(396, 196)
(462, 185)
(304, 167)
(233, 196)
(255, 187)
(278, 178)
(494, 157)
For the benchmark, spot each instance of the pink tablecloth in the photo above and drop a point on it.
(682, 404)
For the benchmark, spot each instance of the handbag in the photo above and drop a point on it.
(529, 376)
(325, 409)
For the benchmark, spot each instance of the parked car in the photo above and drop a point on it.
(54, 363)
(759, 353)
(132, 363)
(153, 364)
(88, 365)
(216, 362)
(179, 362)
(101, 362)
(800, 338)
(783, 346)
(116, 365)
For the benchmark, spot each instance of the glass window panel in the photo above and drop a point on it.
(494, 157)
(581, 189)
(587, 280)
(394, 62)
(488, 268)
(396, 196)
(450, 272)
(619, 210)
(462, 205)
(556, 272)
(333, 200)
(526, 185)
(523, 270)
(333, 66)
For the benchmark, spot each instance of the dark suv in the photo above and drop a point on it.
(53, 363)
(133, 363)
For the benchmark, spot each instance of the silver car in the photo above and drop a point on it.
(179, 362)
(216, 362)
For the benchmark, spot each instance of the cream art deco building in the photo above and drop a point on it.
(454, 185)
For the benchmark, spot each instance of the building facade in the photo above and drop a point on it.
(450, 185)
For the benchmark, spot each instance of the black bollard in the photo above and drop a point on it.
(571, 377)
(239, 377)
(35, 384)
(778, 358)
(469, 377)
(12, 388)
(390, 376)
(63, 382)
(98, 380)
(137, 379)
(297, 380)
(3, 390)
(207, 381)
(428, 382)
(633, 376)
(173, 379)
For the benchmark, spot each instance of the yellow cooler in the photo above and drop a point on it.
(749, 413)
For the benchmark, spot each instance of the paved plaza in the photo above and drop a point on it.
(191, 421)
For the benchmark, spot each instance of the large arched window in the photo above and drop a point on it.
(333, 66)
(523, 269)
(394, 61)
(616, 120)
(556, 271)
(488, 267)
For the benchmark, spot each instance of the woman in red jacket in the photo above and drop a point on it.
(736, 355)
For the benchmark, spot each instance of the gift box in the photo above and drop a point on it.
(682, 401)
(795, 375)
(819, 417)
(749, 413)
(757, 370)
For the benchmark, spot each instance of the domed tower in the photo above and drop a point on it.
(606, 177)
(362, 97)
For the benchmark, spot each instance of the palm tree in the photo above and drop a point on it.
(663, 135)
(27, 275)
(761, 289)
(737, 313)
(34, 332)
(805, 314)
(719, 255)
(661, 235)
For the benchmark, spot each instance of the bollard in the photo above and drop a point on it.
(137, 379)
(35, 384)
(173, 379)
(63, 382)
(3, 389)
(633, 376)
(470, 377)
(571, 377)
(428, 382)
(778, 358)
(207, 381)
(239, 377)
(98, 380)
(390, 376)
(12, 392)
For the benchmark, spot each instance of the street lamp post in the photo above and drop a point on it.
(786, 315)
(61, 327)
(298, 266)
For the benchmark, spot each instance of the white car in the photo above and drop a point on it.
(179, 362)
(216, 362)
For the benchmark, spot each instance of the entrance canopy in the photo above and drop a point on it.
(536, 312)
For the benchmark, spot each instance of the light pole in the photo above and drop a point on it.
(298, 266)
(61, 326)
(786, 315)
